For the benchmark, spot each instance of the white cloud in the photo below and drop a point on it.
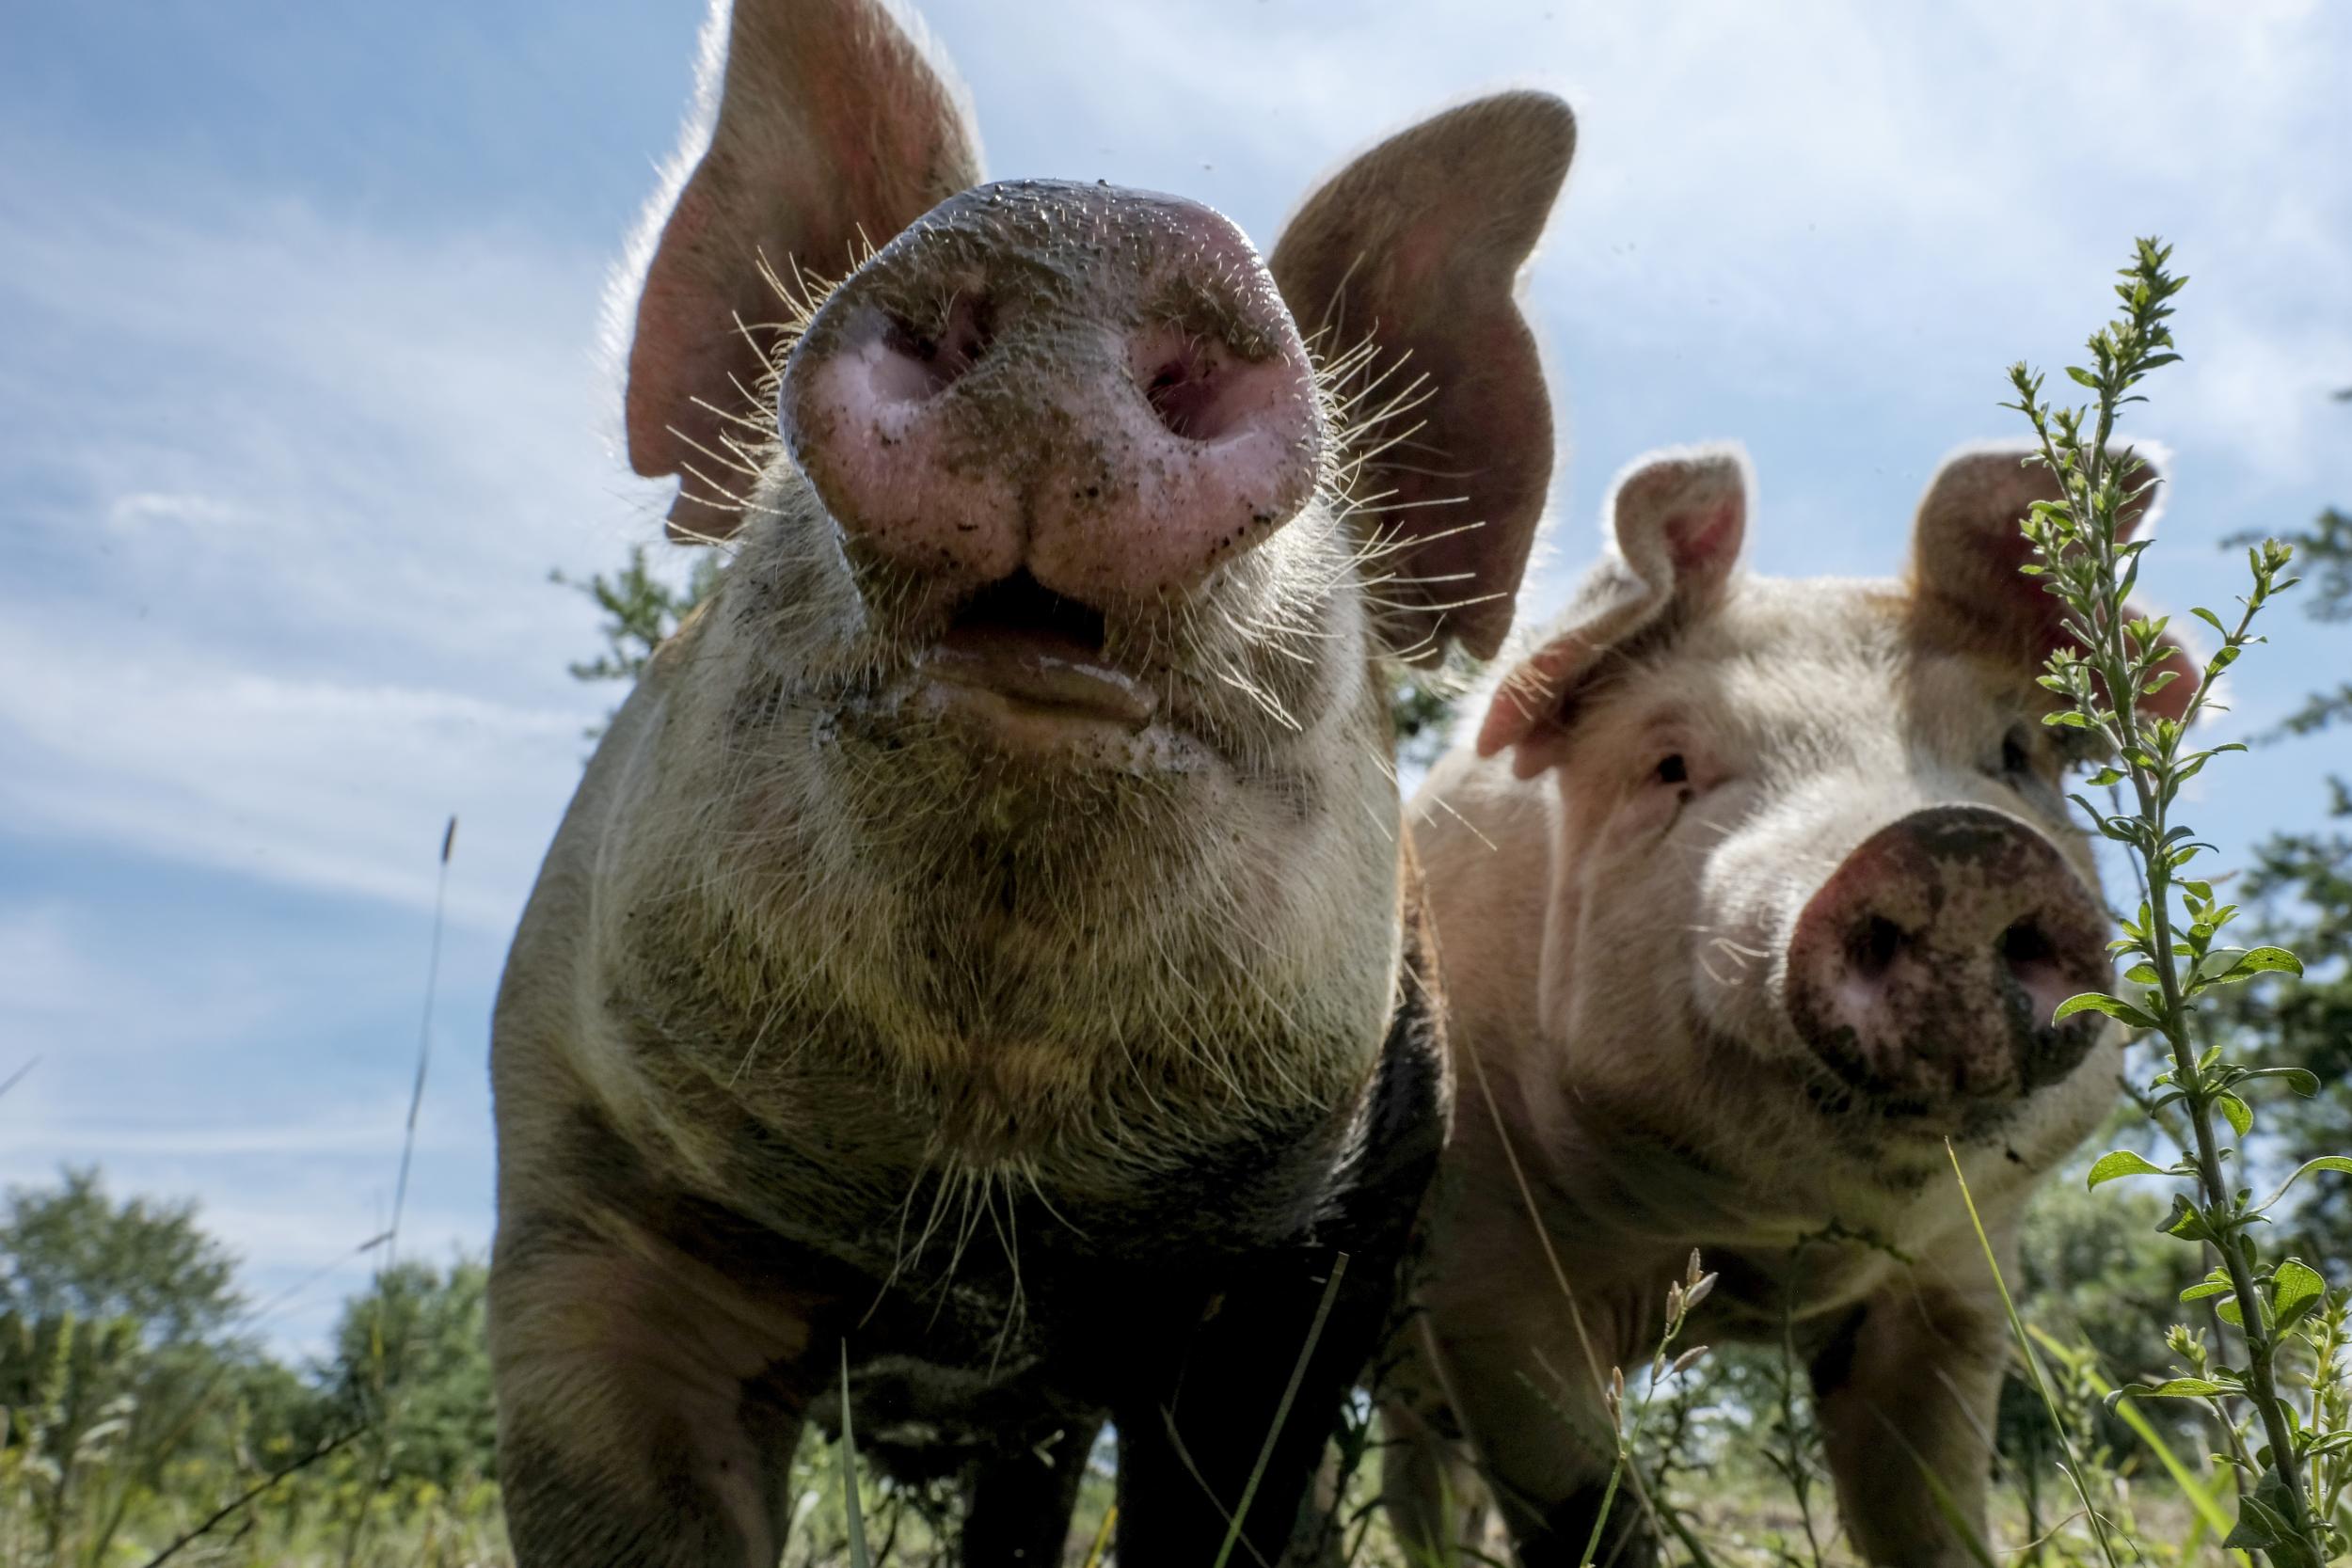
(41, 972)
(2259, 389)
(332, 470)
(337, 785)
(147, 507)
(1765, 195)
(376, 1135)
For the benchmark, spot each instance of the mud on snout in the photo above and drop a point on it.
(1058, 516)
(1924, 972)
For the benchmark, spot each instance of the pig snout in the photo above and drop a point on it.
(1926, 966)
(1099, 387)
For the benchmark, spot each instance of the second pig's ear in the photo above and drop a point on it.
(1678, 519)
(1967, 546)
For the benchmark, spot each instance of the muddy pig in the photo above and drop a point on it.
(1751, 894)
(980, 969)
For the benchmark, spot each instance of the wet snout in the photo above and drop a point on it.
(1098, 389)
(1926, 966)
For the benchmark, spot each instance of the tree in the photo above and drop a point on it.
(640, 610)
(2324, 555)
(118, 1355)
(412, 1357)
(1422, 708)
(70, 1250)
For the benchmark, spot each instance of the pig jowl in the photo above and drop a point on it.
(981, 951)
(1752, 893)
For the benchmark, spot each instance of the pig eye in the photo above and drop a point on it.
(1673, 769)
(2016, 754)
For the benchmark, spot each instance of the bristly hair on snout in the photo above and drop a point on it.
(1367, 405)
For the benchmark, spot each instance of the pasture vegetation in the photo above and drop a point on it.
(2180, 1393)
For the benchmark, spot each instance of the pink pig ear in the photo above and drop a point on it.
(1679, 519)
(835, 130)
(1968, 544)
(1411, 255)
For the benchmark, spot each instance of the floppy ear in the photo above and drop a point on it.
(1415, 247)
(834, 132)
(1679, 519)
(1969, 541)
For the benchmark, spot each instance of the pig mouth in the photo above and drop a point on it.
(1025, 668)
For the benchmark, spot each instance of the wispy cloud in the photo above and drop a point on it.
(292, 491)
(335, 785)
(1773, 201)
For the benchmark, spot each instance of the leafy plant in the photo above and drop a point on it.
(2172, 946)
(1667, 1366)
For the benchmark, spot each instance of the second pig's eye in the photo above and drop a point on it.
(1672, 769)
(2016, 753)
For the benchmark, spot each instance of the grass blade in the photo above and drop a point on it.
(1101, 1537)
(1282, 1410)
(424, 1040)
(16, 1077)
(2033, 1364)
(860, 1555)
(2208, 1508)
(212, 1522)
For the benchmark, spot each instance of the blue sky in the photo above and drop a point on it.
(302, 395)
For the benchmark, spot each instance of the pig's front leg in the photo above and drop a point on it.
(647, 1414)
(1428, 1479)
(1019, 1504)
(1544, 1442)
(1911, 1383)
(1191, 1431)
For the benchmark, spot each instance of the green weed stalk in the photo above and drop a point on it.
(2118, 662)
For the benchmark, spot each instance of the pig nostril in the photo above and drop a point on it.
(920, 361)
(1873, 946)
(1183, 392)
(1200, 387)
(2026, 945)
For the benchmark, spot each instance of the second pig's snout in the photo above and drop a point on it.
(1928, 966)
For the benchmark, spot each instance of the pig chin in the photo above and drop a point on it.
(1943, 1085)
(1864, 1096)
(1771, 1068)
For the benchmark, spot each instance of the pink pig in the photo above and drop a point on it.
(1751, 894)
